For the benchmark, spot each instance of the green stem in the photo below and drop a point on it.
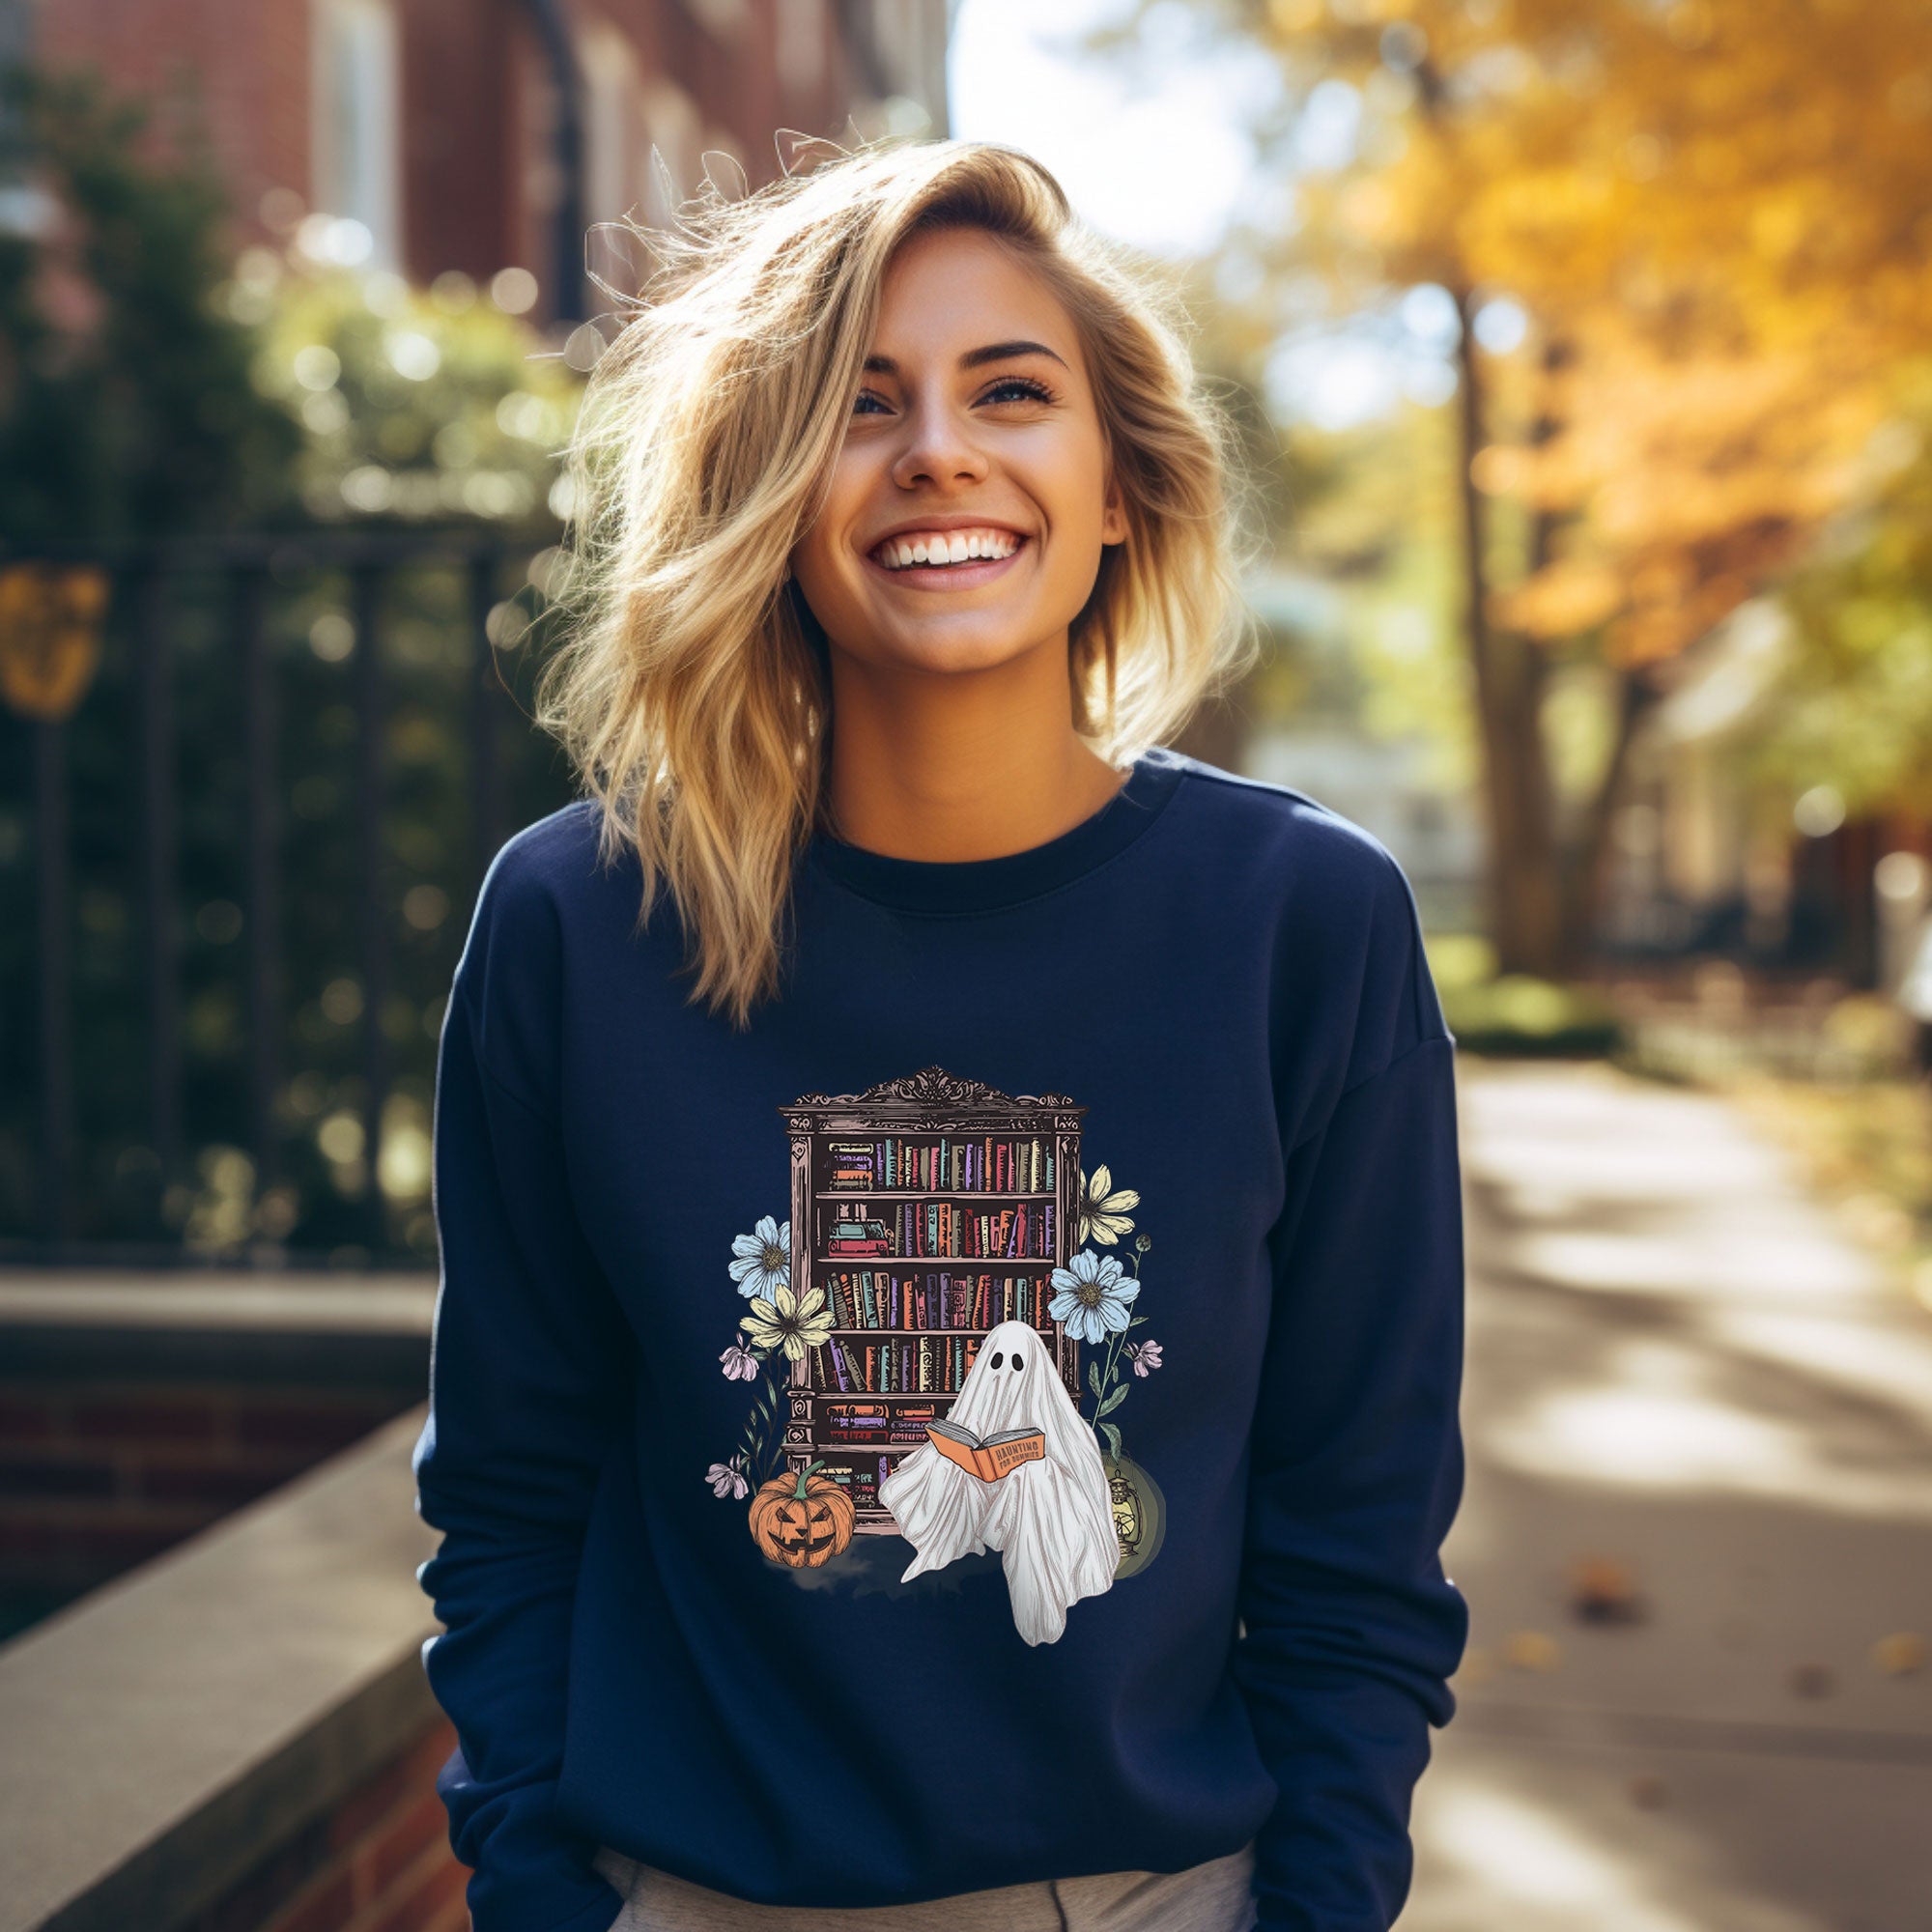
(773, 1442)
(1112, 1357)
(1113, 1343)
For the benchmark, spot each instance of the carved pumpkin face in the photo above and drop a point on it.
(803, 1520)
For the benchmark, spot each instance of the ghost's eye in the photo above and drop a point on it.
(1019, 1359)
(995, 1362)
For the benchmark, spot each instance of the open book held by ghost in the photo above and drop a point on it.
(988, 1457)
(1050, 1513)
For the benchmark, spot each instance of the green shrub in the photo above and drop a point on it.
(1515, 1013)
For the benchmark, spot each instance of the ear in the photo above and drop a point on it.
(1112, 517)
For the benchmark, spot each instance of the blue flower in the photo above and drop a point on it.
(1093, 1296)
(763, 1261)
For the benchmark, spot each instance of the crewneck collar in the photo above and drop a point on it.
(984, 885)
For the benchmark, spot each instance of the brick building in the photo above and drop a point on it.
(484, 134)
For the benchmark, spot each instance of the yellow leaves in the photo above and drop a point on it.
(1910, 97)
(1657, 447)
(1369, 208)
(1715, 162)
(1604, 1590)
(1576, 208)
(1690, 23)
(1568, 597)
(1532, 1650)
(1718, 207)
(1294, 16)
(1900, 1654)
(1780, 222)
(1497, 470)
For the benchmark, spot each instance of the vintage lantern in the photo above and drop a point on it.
(1140, 1512)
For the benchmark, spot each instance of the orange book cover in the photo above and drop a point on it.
(1005, 1449)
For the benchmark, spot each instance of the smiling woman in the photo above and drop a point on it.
(903, 539)
(911, 341)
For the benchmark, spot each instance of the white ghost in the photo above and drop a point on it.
(1053, 1519)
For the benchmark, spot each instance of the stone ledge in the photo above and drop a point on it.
(289, 1326)
(166, 1727)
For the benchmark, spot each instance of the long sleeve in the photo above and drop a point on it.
(1351, 1627)
(530, 1368)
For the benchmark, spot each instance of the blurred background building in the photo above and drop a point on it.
(476, 135)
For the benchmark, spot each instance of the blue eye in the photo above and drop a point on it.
(1037, 392)
(1027, 390)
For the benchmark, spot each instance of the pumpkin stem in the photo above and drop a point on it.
(817, 1462)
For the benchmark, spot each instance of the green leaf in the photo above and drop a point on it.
(1135, 1320)
(1094, 1377)
(1113, 1401)
(1113, 1436)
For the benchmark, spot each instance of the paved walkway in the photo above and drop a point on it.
(1681, 1374)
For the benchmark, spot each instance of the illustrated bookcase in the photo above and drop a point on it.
(929, 1209)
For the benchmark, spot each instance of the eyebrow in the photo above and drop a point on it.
(992, 352)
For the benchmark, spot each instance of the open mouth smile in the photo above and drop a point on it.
(946, 559)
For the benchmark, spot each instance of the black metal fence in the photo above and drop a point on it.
(233, 884)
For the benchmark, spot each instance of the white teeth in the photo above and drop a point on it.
(946, 547)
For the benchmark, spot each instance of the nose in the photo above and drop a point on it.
(940, 448)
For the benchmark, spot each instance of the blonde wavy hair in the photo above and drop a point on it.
(692, 687)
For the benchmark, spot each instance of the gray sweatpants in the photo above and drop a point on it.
(1212, 1897)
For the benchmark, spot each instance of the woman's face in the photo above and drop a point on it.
(974, 425)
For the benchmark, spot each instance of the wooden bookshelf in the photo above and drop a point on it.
(929, 1209)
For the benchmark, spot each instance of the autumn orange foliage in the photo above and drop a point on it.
(1713, 214)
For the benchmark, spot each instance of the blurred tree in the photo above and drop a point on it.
(418, 403)
(1265, 481)
(1852, 704)
(125, 402)
(1710, 216)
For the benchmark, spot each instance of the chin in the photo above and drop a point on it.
(955, 652)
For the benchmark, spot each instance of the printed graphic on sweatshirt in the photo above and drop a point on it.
(941, 1346)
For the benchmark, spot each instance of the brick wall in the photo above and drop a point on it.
(250, 65)
(473, 143)
(461, 170)
(380, 1863)
(97, 1475)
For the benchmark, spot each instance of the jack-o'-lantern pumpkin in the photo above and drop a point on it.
(802, 1520)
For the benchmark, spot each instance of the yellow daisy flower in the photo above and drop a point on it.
(1101, 1218)
(788, 1322)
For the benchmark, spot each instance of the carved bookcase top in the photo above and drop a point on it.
(931, 1088)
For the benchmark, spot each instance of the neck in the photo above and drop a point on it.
(955, 767)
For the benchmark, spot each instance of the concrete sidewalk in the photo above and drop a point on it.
(1680, 1373)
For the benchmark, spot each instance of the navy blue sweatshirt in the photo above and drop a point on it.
(785, 1382)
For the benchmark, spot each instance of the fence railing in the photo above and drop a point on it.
(237, 877)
